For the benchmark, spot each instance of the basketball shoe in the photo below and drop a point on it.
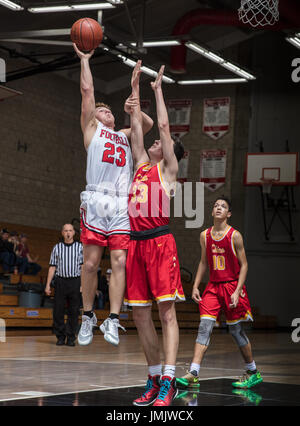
(248, 380)
(85, 335)
(167, 392)
(151, 392)
(189, 380)
(110, 330)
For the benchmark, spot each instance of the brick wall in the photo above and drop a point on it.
(41, 187)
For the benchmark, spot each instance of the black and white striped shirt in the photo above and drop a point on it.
(67, 258)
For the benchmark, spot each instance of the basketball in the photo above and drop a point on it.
(87, 34)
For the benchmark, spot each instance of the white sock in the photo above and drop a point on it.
(155, 370)
(169, 371)
(251, 366)
(195, 367)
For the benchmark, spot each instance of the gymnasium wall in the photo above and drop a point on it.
(42, 161)
(275, 104)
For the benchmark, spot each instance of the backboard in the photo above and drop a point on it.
(280, 167)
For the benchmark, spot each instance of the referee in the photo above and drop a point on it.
(65, 266)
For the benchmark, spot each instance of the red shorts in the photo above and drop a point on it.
(113, 241)
(217, 296)
(152, 272)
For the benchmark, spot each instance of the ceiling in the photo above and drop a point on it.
(23, 33)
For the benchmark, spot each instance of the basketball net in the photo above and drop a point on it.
(259, 12)
(267, 185)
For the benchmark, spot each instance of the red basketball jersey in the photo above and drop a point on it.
(221, 256)
(149, 204)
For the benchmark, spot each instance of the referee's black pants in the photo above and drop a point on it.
(66, 290)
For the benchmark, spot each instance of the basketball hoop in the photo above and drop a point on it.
(267, 185)
(259, 12)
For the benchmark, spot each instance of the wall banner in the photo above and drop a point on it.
(213, 168)
(216, 117)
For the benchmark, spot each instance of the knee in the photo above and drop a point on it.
(119, 261)
(90, 266)
(141, 315)
(168, 316)
(238, 334)
(204, 331)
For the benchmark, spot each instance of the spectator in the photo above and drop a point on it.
(8, 257)
(102, 291)
(65, 265)
(33, 268)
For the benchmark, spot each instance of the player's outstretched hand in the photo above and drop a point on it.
(157, 83)
(82, 55)
(135, 78)
(130, 103)
(196, 295)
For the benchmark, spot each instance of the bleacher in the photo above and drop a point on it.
(41, 242)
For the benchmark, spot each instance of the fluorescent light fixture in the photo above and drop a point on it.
(71, 8)
(116, 2)
(159, 43)
(146, 70)
(294, 40)
(214, 81)
(219, 60)
(11, 5)
(156, 43)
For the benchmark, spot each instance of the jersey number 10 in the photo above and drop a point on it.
(219, 263)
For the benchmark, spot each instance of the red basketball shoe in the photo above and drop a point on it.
(151, 392)
(167, 393)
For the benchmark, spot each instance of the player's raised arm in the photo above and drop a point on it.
(139, 153)
(170, 164)
(87, 93)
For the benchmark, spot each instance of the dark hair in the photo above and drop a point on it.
(223, 198)
(178, 150)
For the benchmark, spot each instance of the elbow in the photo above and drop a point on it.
(87, 90)
(163, 125)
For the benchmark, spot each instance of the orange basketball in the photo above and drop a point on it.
(87, 34)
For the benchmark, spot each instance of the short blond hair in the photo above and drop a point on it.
(102, 105)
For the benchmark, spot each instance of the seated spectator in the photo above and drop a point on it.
(7, 254)
(8, 257)
(33, 268)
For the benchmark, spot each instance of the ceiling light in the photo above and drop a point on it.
(11, 5)
(146, 70)
(159, 43)
(71, 8)
(294, 40)
(214, 81)
(219, 60)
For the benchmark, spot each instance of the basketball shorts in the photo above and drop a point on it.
(153, 272)
(104, 220)
(216, 297)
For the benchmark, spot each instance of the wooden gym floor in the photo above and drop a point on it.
(34, 371)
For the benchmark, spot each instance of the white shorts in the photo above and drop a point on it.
(104, 212)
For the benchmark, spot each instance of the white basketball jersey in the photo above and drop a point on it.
(109, 161)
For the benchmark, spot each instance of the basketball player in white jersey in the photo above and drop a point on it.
(104, 215)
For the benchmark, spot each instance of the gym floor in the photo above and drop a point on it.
(36, 372)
